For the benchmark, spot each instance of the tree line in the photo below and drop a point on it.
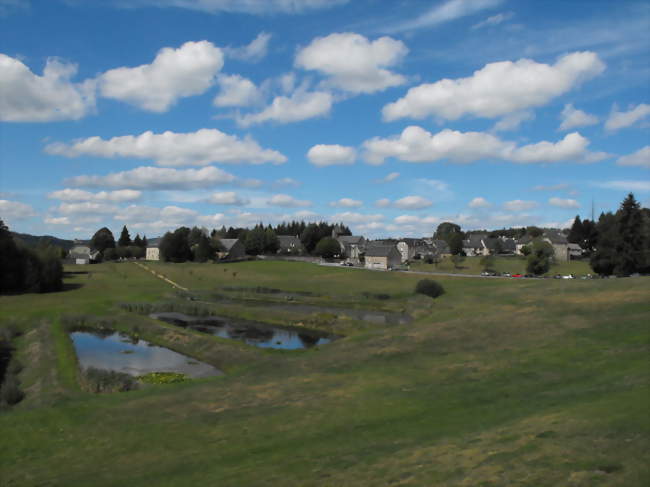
(25, 269)
(103, 241)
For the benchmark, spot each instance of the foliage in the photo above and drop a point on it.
(487, 262)
(174, 246)
(162, 378)
(445, 229)
(327, 248)
(125, 238)
(102, 240)
(539, 260)
(99, 380)
(261, 240)
(455, 242)
(24, 269)
(203, 250)
(457, 259)
(429, 287)
(534, 232)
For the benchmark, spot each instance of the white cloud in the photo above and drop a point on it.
(444, 12)
(353, 63)
(347, 203)
(519, 205)
(436, 184)
(159, 219)
(493, 20)
(173, 74)
(286, 182)
(28, 97)
(572, 117)
(255, 7)
(497, 89)
(383, 203)
(228, 198)
(564, 203)
(120, 195)
(15, 210)
(157, 178)
(236, 91)
(625, 185)
(86, 207)
(254, 51)
(388, 178)
(199, 148)
(348, 217)
(640, 158)
(618, 120)
(63, 220)
(286, 201)
(412, 203)
(512, 121)
(417, 145)
(302, 105)
(329, 155)
(479, 202)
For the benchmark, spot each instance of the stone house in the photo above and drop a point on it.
(81, 254)
(233, 249)
(352, 247)
(384, 257)
(559, 243)
(290, 244)
(475, 245)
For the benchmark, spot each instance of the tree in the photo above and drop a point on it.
(327, 248)
(102, 240)
(310, 237)
(455, 242)
(271, 241)
(630, 245)
(203, 250)
(137, 241)
(444, 230)
(125, 238)
(487, 262)
(576, 234)
(534, 232)
(174, 246)
(255, 242)
(145, 242)
(539, 259)
(10, 262)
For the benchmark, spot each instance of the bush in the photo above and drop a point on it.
(429, 287)
(10, 392)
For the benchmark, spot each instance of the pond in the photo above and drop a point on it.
(253, 333)
(120, 353)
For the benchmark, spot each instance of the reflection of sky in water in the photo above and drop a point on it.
(280, 338)
(107, 353)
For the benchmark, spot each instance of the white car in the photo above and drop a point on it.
(569, 276)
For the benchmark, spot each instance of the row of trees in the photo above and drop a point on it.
(23, 269)
(104, 242)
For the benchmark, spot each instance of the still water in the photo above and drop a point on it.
(120, 353)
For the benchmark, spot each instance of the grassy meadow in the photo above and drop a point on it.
(497, 382)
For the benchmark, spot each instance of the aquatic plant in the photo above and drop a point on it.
(163, 378)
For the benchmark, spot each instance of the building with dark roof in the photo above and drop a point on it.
(384, 257)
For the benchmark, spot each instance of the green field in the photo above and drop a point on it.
(498, 382)
(512, 264)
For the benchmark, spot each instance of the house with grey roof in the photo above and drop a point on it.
(475, 245)
(559, 243)
(231, 249)
(383, 257)
(82, 254)
(290, 244)
(352, 246)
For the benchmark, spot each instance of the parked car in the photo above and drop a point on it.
(506, 274)
(517, 275)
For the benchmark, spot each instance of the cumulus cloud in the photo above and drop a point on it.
(254, 51)
(61, 220)
(512, 121)
(388, 178)
(28, 97)
(444, 12)
(255, 7)
(383, 203)
(347, 203)
(199, 148)
(564, 203)
(301, 105)
(86, 207)
(618, 120)
(329, 155)
(157, 219)
(353, 63)
(228, 198)
(572, 117)
(236, 91)
(405, 203)
(497, 89)
(519, 205)
(117, 196)
(349, 217)
(15, 210)
(624, 185)
(157, 178)
(640, 158)
(173, 74)
(286, 201)
(479, 202)
(284, 182)
(417, 145)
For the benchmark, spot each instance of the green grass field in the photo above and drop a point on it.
(512, 264)
(496, 383)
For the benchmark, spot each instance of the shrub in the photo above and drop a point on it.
(429, 287)
(10, 392)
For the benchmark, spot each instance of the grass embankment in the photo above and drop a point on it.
(497, 382)
(512, 264)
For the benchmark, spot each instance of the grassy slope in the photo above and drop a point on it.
(498, 382)
(513, 264)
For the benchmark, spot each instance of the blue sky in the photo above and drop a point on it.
(390, 116)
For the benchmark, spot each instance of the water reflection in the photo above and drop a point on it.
(256, 334)
(118, 352)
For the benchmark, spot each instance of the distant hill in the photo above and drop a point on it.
(36, 240)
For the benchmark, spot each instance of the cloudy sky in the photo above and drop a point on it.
(390, 116)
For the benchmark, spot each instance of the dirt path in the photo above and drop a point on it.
(160, 276)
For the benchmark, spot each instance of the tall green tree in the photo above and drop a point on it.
(125, 238)
(174, 246)
(604, 259)
(576, 234)
(445, 229)
(102, 240)
(631, 245)
(540, 257)
(327, 248)
(255, 242)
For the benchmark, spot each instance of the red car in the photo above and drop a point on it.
(517, 275)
